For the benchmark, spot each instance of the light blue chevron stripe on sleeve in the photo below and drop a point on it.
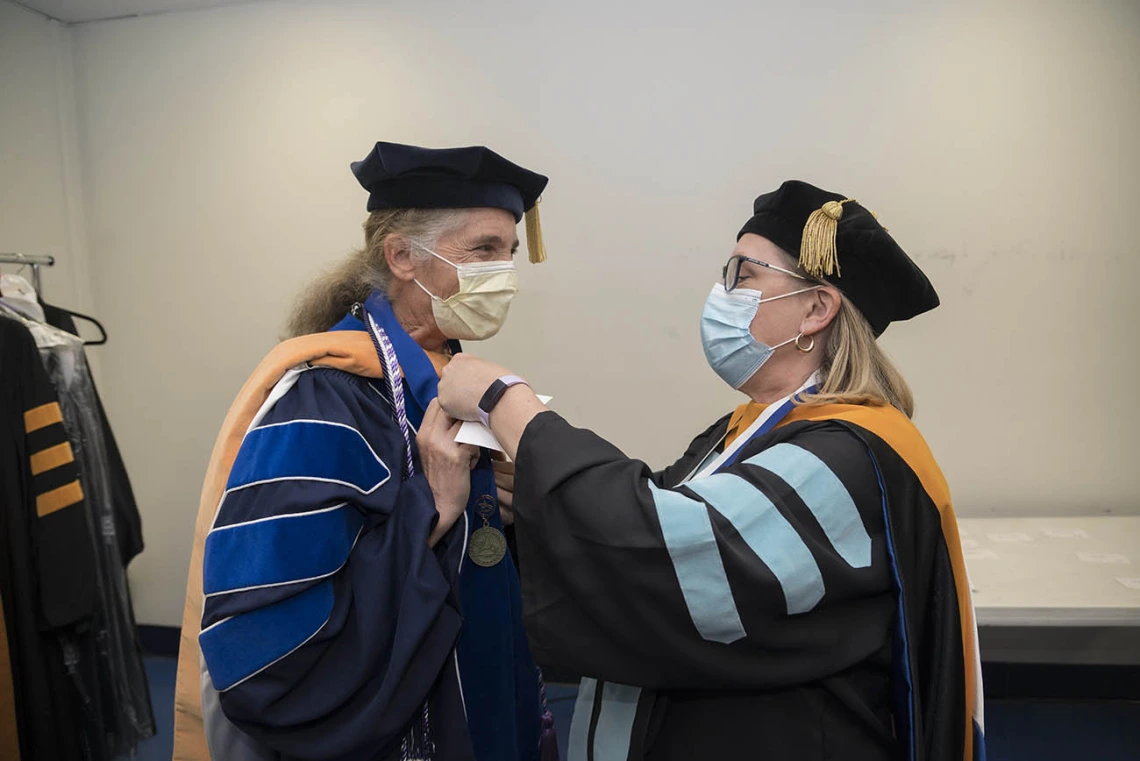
(826, 497)
(696, 559)
(768, 534)
(614, 732)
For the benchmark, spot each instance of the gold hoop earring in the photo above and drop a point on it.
(809, 347)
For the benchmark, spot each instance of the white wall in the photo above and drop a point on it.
(997, 144)
(41, 209)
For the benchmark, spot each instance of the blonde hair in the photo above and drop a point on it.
(328, 298)
(855, 369)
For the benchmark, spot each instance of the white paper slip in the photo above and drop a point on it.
(481, 436)
(1130, 583)
(1109, 558)
(979, 555)
(1009, 538)
(1065, 533)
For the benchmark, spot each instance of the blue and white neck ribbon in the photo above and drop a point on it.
(394, 378)
(768, 420)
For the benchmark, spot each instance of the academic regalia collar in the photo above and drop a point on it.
(420, 373)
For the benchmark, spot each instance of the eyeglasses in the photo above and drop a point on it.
(731, 272)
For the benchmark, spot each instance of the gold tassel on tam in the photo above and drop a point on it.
(818, 256)
(534, 245)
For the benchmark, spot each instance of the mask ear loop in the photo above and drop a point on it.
(445, 260)
(797, 339)
(425, 290)
(482, 268)
(787, 295)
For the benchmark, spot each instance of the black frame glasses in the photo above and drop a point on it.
(733, 266)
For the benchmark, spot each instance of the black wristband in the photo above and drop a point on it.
(494, 393)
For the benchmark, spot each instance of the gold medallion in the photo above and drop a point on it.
(487, 547)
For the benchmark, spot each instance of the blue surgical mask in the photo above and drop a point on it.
(726, 335)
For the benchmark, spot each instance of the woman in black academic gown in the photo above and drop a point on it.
(793, 586)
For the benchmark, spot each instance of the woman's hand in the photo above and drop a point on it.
(505, 486)
(447, 466)
(463, 383)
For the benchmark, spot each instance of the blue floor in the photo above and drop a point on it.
(160, 674)
(1015, 730)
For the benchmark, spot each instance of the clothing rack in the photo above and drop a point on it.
(30, 260)
(65, 595)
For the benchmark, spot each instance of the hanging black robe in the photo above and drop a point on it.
(128, 522)
(47, 567)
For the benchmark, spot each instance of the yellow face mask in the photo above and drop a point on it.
(479, 309)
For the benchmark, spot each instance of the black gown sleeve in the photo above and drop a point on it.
(706, 441)
(769, 574)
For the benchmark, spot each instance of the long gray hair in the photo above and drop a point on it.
(327, 299)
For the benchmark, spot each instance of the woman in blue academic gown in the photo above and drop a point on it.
(352, 606)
